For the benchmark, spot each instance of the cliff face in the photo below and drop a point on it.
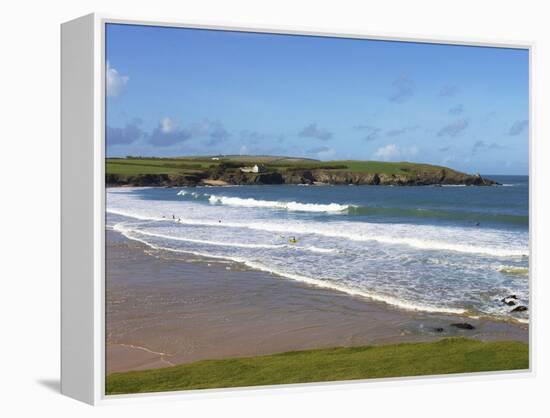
(153, 180)
(318, 176)
(443, 177)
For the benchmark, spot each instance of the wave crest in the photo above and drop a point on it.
(290, 206)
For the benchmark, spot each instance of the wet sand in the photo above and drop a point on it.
(165, 308)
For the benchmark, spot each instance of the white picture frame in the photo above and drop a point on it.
(83, 203)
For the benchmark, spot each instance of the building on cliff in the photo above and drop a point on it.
(254, 169)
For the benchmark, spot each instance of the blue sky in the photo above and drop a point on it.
(174, 92)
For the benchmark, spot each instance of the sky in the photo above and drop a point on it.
(180, 92)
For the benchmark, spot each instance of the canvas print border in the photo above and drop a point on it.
(99, 22)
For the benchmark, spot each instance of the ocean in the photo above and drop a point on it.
(444, 249)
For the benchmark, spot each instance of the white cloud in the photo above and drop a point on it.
(167, 125)
(168, 133)
(392, 152)
(115, 82)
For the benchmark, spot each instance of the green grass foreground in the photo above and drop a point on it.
(453, 355)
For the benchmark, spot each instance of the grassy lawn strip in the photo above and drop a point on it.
(452, 355)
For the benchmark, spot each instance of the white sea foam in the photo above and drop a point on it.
(319, 250)
(420, 266)
(124, 228)
(291, 206)
(305, 279)
(121, 227)
(337, 231)
(186, 193)
(354, 291)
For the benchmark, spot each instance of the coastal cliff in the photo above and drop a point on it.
(230, 171)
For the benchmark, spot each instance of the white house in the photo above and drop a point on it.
(254, 169)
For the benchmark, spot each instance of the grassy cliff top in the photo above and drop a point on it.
(194, 165)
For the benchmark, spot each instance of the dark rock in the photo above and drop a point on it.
(510, 300)
(269, 178)
(438, 329)
(519, 308)
(463, 325)
(307, 177)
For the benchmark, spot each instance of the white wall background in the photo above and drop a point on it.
(29, 218)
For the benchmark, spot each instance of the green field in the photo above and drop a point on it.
(193, 165)
(453, 355)
(155, 166)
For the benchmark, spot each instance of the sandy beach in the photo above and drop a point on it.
(165, 308)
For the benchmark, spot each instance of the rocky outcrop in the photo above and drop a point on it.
(520, 308)
(383, 179)
(510, 300)
(151, 180)
(238, 177)
(463, 325)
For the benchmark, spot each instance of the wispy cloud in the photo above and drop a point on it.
(480, 146)
(168, 133)
(448, 90)
(129, 134)
(518, 127)
(401, 131)
(403, 89)
(370, 132)
(454, 129)
(115, 83)
(456, 110)
(393, 152)
(312, 131)
(256, 137)
(214, 132)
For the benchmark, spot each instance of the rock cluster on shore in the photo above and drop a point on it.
(512, 300)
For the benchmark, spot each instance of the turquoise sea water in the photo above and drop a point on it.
(443, 249)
